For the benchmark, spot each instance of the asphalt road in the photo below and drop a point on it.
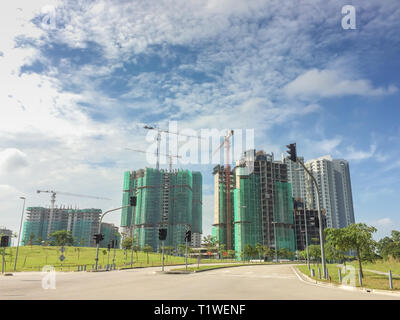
(267, 282)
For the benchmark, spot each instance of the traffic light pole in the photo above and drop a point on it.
(162, 255)
(321, 234)
(186, 253)
(99, 229)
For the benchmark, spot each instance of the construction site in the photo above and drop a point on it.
(253, 204)
(82, 223)
(165, 199)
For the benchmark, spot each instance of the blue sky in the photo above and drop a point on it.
(80, 78)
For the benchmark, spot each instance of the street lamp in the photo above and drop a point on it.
(19, 234)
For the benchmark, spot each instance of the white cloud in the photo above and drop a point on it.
(333, 83)
(359, 154)
(384, 227)
(12, 159)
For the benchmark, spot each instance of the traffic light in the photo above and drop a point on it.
(133, 201)
(162, 234)
(292, 151)
(4, 241)
(109, 246)
(98, 237)
(188, 236)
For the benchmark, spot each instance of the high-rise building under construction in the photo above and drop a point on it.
(165, 199)
(262, 206)
(82, 223)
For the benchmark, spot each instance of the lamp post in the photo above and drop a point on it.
(19, 234)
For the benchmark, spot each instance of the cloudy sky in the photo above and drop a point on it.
(78, 79)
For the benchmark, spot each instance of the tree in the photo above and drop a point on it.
(231, 254)
(358, 237)
(210, 243)
(148, 248)
(181, 249)
(390, 246)
(127, 243)
(136, 248)
(221, 250)
(39, 240)
(31, 237)
(249, 251)
(62, 238)
(262, 250)
(314, 252)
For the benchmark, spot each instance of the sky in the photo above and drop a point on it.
(79, 79)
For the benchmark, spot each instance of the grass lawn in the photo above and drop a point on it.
(35, 257)
(381, 265)
(370, 280)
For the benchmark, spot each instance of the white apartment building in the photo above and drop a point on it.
(297, 177)
(333, 178)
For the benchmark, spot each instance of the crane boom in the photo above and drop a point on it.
(159, 131)
(168, 155)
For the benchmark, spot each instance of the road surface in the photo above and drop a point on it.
(262, 282)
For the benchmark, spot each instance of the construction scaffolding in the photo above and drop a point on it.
(247, 211)
(81, 223)
(283, 216)
(164, 199)
(262, 207)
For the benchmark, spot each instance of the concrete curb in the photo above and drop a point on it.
(309, 280)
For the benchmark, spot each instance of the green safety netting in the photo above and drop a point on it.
(247, 212)
(283, 216)
(172, 198)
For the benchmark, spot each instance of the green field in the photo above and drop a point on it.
(381, 265)
(35, 257)
(370, 280)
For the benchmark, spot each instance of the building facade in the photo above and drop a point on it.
(306, 220)
(110, 233)
(262, 206)
(82, 223)
(171, 200)
(333, 179)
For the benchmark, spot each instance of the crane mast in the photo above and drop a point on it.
(226, 145)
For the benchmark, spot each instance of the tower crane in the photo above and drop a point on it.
(53, 200)
(162, 154)
(226, 144)
(159, 131)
